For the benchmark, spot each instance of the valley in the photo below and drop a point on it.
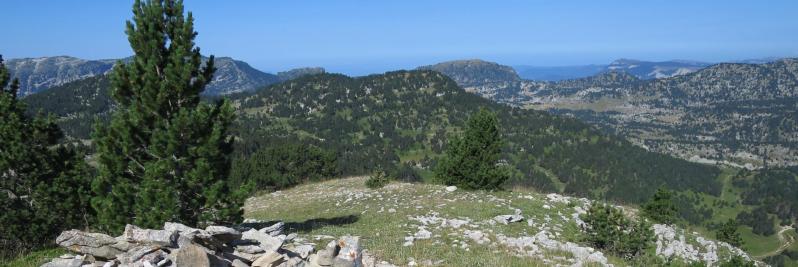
(740, 115)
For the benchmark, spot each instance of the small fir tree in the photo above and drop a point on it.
(471, 160)
(660, 207)
(728, 233)
(164, 156)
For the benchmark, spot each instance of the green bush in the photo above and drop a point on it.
(607, 228)
(377, 180)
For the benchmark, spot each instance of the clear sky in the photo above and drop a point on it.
(358, 37)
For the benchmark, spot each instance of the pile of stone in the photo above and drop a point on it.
(253, 243)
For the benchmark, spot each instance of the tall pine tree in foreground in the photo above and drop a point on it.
(472, 159)
(164, 156)
(44, 187)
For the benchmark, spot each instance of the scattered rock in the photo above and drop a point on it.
(95, 244)
(239, 263)
(303, 251)
(349, 252)
(148, 236)
(273, 230)
(271, 259)
(266, 242)
(140, 255)
(251, 249)
(223, 233)
(451, 188)
(192, 255)
(505, 219)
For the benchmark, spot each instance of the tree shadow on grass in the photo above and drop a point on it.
(308, 225)
(312, 224)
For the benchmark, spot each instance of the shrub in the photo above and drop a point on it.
(607, 228)
(377, 180)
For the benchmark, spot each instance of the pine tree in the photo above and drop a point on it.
(472, 160)
(44, 187)
(165, 154)
(728, 233)
(660, 208)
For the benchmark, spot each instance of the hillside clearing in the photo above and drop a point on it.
(425, 224)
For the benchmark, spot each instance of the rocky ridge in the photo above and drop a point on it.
(232, 76)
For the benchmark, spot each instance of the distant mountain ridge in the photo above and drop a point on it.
(639, 68)
(232, 76)
(36, 74)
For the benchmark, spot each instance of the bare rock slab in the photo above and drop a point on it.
(95, 244)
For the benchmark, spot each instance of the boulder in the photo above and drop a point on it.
(58, 262)
(181, 228)
(274, 230)
(292, 262)
(223, 233)
(505, 219)
(324, 257)
(267, 242)
(251, 249)
(451, 188)
(95, 244)
(192, 255)
(270, 259)
(148, 236)
(303, 251)
(239, 263)
(138, 255)
(349, 252)
(246, 257)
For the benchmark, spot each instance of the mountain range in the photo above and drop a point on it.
(405, 117)
(734, 113)
(639, 68)
(38, 74)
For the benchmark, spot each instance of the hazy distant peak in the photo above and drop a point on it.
(474, 71)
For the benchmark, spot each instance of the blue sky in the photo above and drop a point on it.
(359, 37)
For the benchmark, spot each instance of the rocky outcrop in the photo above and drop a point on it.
(253, 243)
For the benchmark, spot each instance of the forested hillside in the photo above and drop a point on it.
(405, 117)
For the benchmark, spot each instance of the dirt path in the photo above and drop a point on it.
(786, 241)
